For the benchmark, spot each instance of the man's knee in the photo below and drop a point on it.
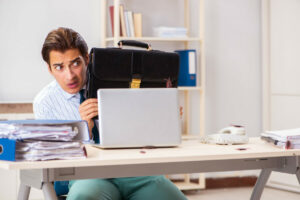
(81, 196)
(93, 189)
(159, 188)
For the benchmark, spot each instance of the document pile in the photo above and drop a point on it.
(288, 139)
(170, 32)
(38, 141)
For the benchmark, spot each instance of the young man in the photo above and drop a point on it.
(66, 54)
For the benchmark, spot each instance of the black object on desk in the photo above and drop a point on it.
(131, 68)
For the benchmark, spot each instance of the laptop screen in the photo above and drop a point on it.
(139, 117)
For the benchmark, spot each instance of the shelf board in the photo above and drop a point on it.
(190, 88)
(161, 39)
(188, 186)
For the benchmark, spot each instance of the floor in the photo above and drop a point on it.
(240, 194)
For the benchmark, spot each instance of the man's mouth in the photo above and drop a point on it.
(73, 85)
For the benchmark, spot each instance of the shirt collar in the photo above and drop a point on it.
(65, 94)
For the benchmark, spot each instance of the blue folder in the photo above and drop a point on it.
(187, 67)
(7, 149)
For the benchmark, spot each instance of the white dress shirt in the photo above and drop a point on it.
(52, 102)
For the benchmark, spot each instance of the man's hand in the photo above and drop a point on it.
(89, 109)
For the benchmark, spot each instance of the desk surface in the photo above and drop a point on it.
(190, 150)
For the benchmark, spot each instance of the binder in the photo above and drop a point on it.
(7, 149)
(8, 146)
(187, 67)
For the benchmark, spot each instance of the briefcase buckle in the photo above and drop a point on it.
(135, 83)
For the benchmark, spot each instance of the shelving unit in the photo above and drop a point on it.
(186, 184)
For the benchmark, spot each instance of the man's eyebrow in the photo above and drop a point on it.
(74, 60)
(57, 64)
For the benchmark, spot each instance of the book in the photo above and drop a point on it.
(122, 22)
(111, 14)
(137, 21)
(187, 67)
(126, 16)
(130, 22)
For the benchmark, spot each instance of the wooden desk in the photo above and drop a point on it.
(190, 157)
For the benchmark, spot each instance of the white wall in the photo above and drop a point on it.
(233, 63)
(23, 28)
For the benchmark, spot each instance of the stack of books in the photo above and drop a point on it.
(30, 141)
(288, 139)
(130, 22)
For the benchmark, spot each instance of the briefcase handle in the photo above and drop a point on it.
(134, 43)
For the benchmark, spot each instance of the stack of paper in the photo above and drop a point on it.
(43, 141)
(172, 32)
(42, 150)
(289, 138)
(37, 131)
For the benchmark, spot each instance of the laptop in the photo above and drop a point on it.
(144, 117)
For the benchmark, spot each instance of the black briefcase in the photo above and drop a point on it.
(131, 68)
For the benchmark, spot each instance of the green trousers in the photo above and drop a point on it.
(131, 188)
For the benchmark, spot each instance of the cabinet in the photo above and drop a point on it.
(197, 40)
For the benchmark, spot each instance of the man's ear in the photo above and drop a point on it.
(87, 59)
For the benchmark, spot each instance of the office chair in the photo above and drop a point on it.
(61, 189)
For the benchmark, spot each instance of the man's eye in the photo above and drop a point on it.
(58, 68)
(76, 63)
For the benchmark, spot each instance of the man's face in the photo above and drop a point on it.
(69, 69)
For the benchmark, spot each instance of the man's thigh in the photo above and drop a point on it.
(93, 189)
(148, 188)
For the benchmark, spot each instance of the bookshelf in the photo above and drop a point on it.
(186, 184)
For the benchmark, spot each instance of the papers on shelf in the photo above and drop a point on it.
(289, 138)
(164, 31)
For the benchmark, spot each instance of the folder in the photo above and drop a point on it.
(187, 67)
(7, 149)
(8, 145)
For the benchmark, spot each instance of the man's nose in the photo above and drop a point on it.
(69, 73)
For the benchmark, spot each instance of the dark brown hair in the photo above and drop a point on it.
(63, 39)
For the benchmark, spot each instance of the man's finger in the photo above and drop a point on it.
(88, 101)
(92, 115)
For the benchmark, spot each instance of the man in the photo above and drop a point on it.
(66, 54)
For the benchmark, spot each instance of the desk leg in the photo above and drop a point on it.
(260, 184)
(24, 191)
(298, 175)
(48, 191)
